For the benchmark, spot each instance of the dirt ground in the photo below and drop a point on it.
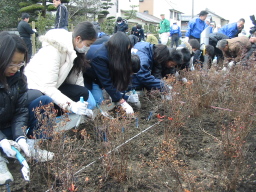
(189, 151)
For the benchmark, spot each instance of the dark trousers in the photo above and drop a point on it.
(29, 46)
(175, 39)
(192, 37)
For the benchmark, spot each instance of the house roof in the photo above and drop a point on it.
(211, 12)
(147, 17)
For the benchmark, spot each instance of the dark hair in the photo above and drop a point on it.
(135, 63)
(139, 26)
(194, 43)
(161, 54)
(185, 54)
(202, 13)
(86, 31)
(24, 16)
(175, 56)
(9, 44)
(119, 54)
(242, 19)
(119, 19)
(210, 50)
(134, 39)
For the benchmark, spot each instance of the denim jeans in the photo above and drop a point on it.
(97, 93)
(33, 123)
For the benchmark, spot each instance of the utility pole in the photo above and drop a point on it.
(192, 9)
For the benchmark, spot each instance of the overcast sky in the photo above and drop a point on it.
(231, 10)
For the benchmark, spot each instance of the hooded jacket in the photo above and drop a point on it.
(51, 65)
(13, 110)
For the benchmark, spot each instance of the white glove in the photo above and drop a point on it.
(186, 39)
(230, 64)
(128, 109)
(224, 69)
(24, 146)
(80, 108)
(6, 146)
(134, 98)
(167, 97)
(184, 80)
(34, 30)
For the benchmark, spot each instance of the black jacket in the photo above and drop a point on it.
(13, 110)
(123, 27)
(215, 37)
(25, 29)
(61, 19)
(138, 32)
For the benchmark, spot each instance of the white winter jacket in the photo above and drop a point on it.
(50, 66)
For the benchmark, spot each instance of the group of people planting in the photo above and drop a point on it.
(69, 66)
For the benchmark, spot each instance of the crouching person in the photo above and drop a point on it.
(234, 50)
(56, 69)
(14, 113)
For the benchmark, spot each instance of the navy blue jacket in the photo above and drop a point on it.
(61, 19)
(230, 30)
(25, 29)
(144, 76)
(99, 71)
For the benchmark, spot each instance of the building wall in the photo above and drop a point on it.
(147, 5)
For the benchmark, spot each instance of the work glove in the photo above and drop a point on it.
(24, 146)
(186, 39)
(81, 109)
(230, 64)
(184, 80)
(134, 98)
(6, 146)
(128, 109)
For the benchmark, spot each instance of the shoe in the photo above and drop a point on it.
(5, 175)
(39, 154)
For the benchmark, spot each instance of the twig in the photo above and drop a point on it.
(116, 147)
(209, 133)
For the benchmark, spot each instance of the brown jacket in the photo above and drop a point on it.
(238, 47)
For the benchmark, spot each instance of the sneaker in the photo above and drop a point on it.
(5, 175)
(39, 154)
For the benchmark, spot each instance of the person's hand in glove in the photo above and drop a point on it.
(81, 109)
(128, 109)
(24, 146)
(230, 64)
(186, 39)
(134, 98)
(6, 146)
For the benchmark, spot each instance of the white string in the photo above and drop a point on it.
(116, 147)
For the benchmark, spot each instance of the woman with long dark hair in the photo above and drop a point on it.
(14, 109)
(56, 69)
(111, 70)
(154, 61)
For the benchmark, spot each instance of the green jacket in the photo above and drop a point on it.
(164, 26)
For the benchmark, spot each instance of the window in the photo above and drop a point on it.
(179, 17)
(146, 11)
(175, 15)
(141, 0)
(171, 14)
